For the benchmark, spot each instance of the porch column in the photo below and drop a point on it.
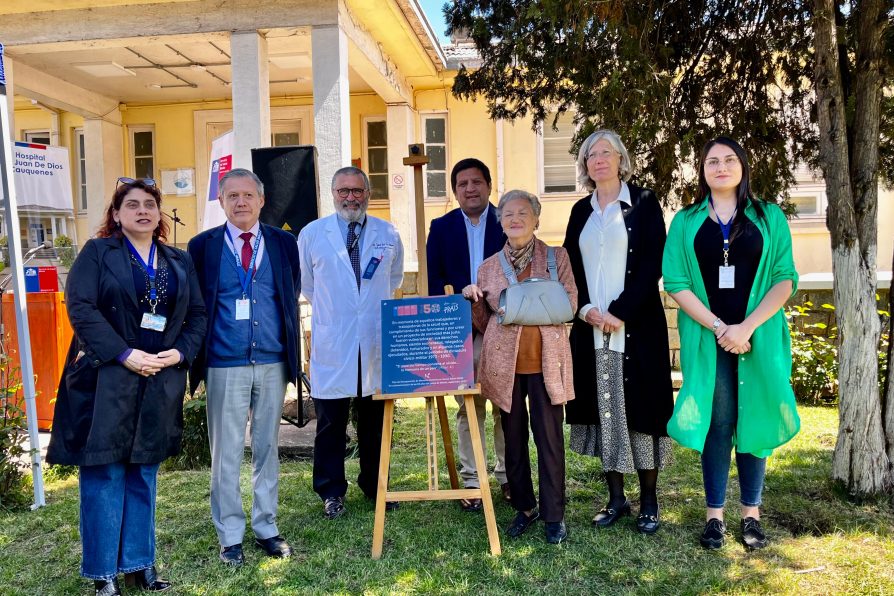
(53, 227)
(401, 125)
(332, 108)
(104, 153)
(251, 95)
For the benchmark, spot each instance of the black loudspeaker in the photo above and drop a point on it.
(289, 175)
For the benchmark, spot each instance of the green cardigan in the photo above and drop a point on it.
(767, 414)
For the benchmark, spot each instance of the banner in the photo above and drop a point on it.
(42, 176)
(221, 163)
(2, 72)
(427, 345)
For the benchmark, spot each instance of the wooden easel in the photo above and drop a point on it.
(434, 493)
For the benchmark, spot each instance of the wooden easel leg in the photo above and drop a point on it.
(431, 443)
(384, 464)
(481, 464)
(448, 443)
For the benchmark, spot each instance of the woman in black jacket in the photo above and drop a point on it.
(138, 318)
(615, 239)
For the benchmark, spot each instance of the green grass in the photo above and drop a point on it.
(435, 548)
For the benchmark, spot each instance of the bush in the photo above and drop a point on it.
(14, 483)
(815, 357)
(195, 448)
(64, 250)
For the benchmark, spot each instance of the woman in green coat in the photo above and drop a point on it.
(728, 264)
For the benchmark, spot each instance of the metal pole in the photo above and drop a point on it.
(13, 236)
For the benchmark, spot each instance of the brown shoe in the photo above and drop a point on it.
(470, 505)
(507, 496)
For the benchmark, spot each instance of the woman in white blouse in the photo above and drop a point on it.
(619, 345)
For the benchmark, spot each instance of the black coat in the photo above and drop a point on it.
(100, 416)
(648, 390)
(282, 250)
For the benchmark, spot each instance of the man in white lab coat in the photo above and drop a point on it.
(350, 262)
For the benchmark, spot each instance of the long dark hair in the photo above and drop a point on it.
(110, 229)
(743, 191)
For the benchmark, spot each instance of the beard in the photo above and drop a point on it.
(350, 215)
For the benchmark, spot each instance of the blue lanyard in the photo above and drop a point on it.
(725, 229)
(245, 278)
(150, 270)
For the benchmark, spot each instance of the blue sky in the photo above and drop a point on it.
(435, 16)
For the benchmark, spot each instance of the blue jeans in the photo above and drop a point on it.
(719, 442)
(117, 519)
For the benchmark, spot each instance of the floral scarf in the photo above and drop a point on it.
(520, 258)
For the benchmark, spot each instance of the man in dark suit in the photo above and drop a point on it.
(457, 244)
(250, 275)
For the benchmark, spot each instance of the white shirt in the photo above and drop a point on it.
(475, 238)
(603, 247)
(237, 243)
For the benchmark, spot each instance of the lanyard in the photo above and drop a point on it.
(725, 230)
(150, 271)
(245, 278)
(356, 235)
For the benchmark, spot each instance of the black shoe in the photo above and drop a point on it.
(753, 534)
(389, 505)
(646, 523)
(275, 546)
(609, 515)
(107, 587)
(232, 555)
(146, 579)
(556, 532)
(713, 535)
(334, 507)
(521, 523)
(470, 505)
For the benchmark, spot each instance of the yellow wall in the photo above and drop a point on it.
(470, 134)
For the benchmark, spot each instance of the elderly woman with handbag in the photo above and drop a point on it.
(622, 372)
(524, 295)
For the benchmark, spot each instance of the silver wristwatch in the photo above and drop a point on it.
(716, 325)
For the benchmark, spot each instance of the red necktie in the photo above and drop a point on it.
(246, 250)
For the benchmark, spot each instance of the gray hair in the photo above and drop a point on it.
(350, 171)
(625, 168)
(519, 194)
(240, 173)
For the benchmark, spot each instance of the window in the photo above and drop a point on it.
(435, 127)
(80, 169)
(808, 194)
(808, 205)
(376, 143)
(142, 146)
(559, 166)
(285, 132)
(41, 137)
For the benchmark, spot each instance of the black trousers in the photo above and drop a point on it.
(329, 443)
(546, 424)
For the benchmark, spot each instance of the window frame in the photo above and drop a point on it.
(79, 180)
(541, 162)
(131, 149)
(809, 184)
(423, 118)
(46, 133)
(364, 152)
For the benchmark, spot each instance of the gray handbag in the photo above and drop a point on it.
(535, 301)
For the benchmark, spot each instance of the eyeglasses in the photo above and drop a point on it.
(729, 161)
(355, 192)
(126, 180)
(606, 154)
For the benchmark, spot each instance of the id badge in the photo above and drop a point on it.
(243, 309)
(371, 267)
(727, 277)
(153, 321)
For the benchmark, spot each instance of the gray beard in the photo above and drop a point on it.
(350, 215)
